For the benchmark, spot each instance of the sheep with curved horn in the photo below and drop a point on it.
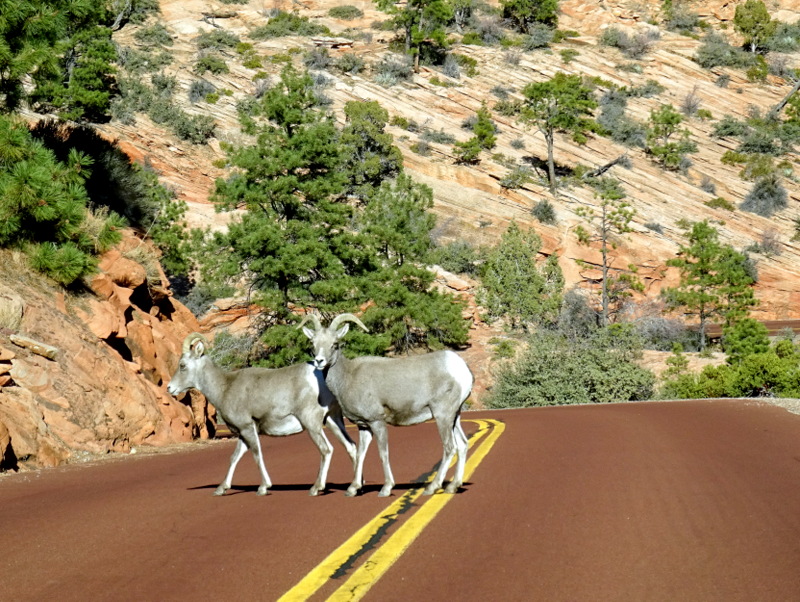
(376, 391)
(277, 402)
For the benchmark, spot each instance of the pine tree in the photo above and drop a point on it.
(43, 206)
(370, 156)
(422, 22)
(612, 219)
(665, 141)
(301, 242)
(525, 13)
(65, 47)
(752, 20)
(714, 280)
(560, 104)
(516, 287)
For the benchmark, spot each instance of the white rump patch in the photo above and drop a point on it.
(459, 370)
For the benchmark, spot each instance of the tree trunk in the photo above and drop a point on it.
(604, 232)
(551, 165)
(702, 330)
(604, 168)
(775, 111)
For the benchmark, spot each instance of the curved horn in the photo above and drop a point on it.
(347, 318)
(314, 318)
(191, 339)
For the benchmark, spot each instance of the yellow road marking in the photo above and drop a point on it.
(384, 557)
(340, 557)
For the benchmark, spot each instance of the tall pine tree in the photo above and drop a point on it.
(714, 279)
(301, 241)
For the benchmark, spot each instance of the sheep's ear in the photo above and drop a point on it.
(342, 331)
(308, 332)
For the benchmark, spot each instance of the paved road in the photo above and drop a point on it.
(649, 501)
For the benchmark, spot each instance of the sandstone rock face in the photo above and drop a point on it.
(106, 389)
(469, 200)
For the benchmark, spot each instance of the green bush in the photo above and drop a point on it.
(745, 337)
(472, 38)
(346, 13)
(217, 39)
(155, 35)
(288, 24)
(555, 370)
(211, 63)
(766, 197)
(516, 178)
(730, 127)
(350, 63)
(568, 55)
(200, 89)
(715, 51)
(755, 375)
(720, 203)
(458, 257)
(544, 212)
(467, 63)
(468, 152)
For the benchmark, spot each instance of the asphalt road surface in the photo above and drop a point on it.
(644, 501)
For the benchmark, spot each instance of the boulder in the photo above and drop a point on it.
(123, 271)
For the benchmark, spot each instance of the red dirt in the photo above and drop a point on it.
(648, 501)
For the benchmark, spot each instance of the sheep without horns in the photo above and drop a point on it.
(376, 391)
(277, 402)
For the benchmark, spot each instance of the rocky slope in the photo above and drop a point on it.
(469, 200)
(95, 380)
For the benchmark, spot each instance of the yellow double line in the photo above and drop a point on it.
(364, 577)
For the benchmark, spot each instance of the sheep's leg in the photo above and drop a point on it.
(326, 453)
(364, 439)
(250, 437)
(446, 432)
(336, 424)
(238, 452)
(462, 445)
(381, 432)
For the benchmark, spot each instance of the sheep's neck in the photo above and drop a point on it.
(336, 378)
(214, 385)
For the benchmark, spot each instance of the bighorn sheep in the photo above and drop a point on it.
(277, 402)
(376, 391)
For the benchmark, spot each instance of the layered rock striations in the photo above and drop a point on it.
(469, 199)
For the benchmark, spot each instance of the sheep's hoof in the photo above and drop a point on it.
(452, 488)
(315, 490)
(351, 491)
(220, 490)
(385, 492)
(430, 490)
(262, 490)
